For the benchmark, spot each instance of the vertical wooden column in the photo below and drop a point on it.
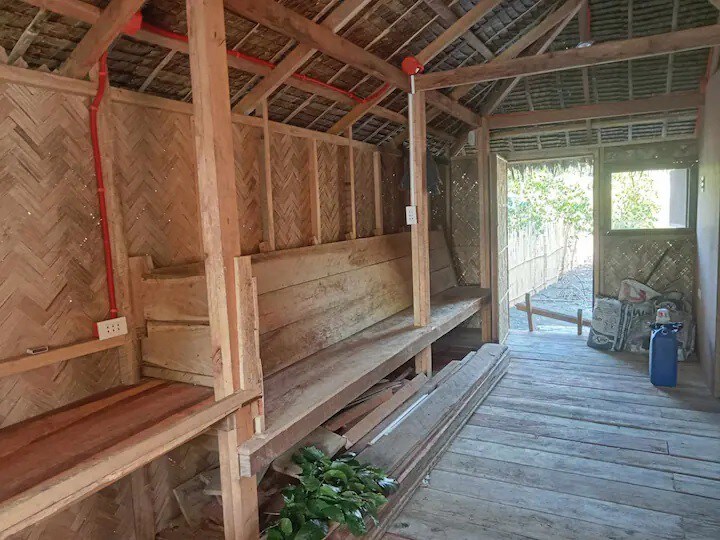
(315, 217)
(377, 191)
(482, 142)
(130, 352)
(221, 242)
(352, 233)
(266, 190)
(420, 233)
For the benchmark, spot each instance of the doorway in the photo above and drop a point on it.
(546, 215)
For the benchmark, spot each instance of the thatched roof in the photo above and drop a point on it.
(393, 29)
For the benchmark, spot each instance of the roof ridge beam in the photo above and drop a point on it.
(604, 53)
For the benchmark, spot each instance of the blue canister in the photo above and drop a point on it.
(663, 354)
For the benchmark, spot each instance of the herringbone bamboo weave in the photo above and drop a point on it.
(364, 193)
(291, 191)
(332, 197)
(393, 198)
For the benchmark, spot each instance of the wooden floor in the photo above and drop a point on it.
(576, 443)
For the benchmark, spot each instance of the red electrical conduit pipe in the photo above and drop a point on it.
(97, 159)
(237, 54)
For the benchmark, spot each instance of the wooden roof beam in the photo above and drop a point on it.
(97, 40)
(456, 30)
(339, 18)
(292, 24)
(677, 101)
(604, 53)
(448, 15)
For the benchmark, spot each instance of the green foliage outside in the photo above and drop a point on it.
(339, 490)
(543, 193)
(634, 197)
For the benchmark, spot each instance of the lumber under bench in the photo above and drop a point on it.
(303, 396)
(53, 460)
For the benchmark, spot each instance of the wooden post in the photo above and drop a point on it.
(221, 242)
(315, 216)
(352, 233)
(580, 322)
(482, 143)
(419, 233)
(130, 353)
(528, 304)
(423, 362)
(377, 183)
(266, 191)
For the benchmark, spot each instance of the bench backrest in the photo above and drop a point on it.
(310, 298)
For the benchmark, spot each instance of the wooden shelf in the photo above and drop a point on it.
(303, 396)
(53, 460)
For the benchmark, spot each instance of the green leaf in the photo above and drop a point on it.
(274, 534)
(355, 523)
(334, 513)
(328, 490)
(285, 526)
(312, 454)
(336, 476)
(310, 483)
(311, 530)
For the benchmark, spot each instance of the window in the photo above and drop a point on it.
(650, 199)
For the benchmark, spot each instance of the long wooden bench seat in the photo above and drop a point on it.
(331, 320)
(51, 461)
(303, 396)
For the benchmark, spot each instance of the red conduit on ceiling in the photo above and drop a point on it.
(97, 158)
(237, 54)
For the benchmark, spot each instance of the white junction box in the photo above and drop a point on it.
(111, 328)
(411, 215)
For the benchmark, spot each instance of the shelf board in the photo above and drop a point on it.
(53, 460)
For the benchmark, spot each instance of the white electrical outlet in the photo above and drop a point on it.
(111, 328)
(411, 215)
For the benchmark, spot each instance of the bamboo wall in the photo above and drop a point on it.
(52, 276)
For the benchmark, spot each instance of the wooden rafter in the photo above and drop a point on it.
(88, 13)
(456, 30)
(289, 23)
(340, 17)
(539, 39)
(677, 101)
(448, 15)
(97, 40)
(27, 37)
(604, 53)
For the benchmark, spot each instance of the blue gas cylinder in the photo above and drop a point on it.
(663, 354)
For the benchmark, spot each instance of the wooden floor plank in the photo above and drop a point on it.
(577, 443)
(659, 500)
(648, 460)
(518, 520)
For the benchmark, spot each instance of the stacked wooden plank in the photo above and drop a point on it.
(408, 443)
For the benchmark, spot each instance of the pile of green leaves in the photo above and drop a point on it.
(339, 490)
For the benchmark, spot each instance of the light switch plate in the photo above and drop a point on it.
(411, 215)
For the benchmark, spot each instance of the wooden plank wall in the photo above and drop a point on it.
(52, 281)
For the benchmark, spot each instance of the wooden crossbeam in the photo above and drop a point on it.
(428, 53)
(340, 17)
(107, 27)
(292, 24)
(604, 53)
(715, 3)
(27, 37)
(677, 101)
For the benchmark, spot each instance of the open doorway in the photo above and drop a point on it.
(550, 244)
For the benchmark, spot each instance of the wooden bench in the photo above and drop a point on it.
(53, 460)
(332, 320)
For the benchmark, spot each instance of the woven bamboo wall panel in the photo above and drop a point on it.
(247, 144)
(364, 193)
(332, 196)
(155, 169)
(665, 263)
(438, 200)
(465, 201)
(52, 279)
(291, 191)
(393, 197)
